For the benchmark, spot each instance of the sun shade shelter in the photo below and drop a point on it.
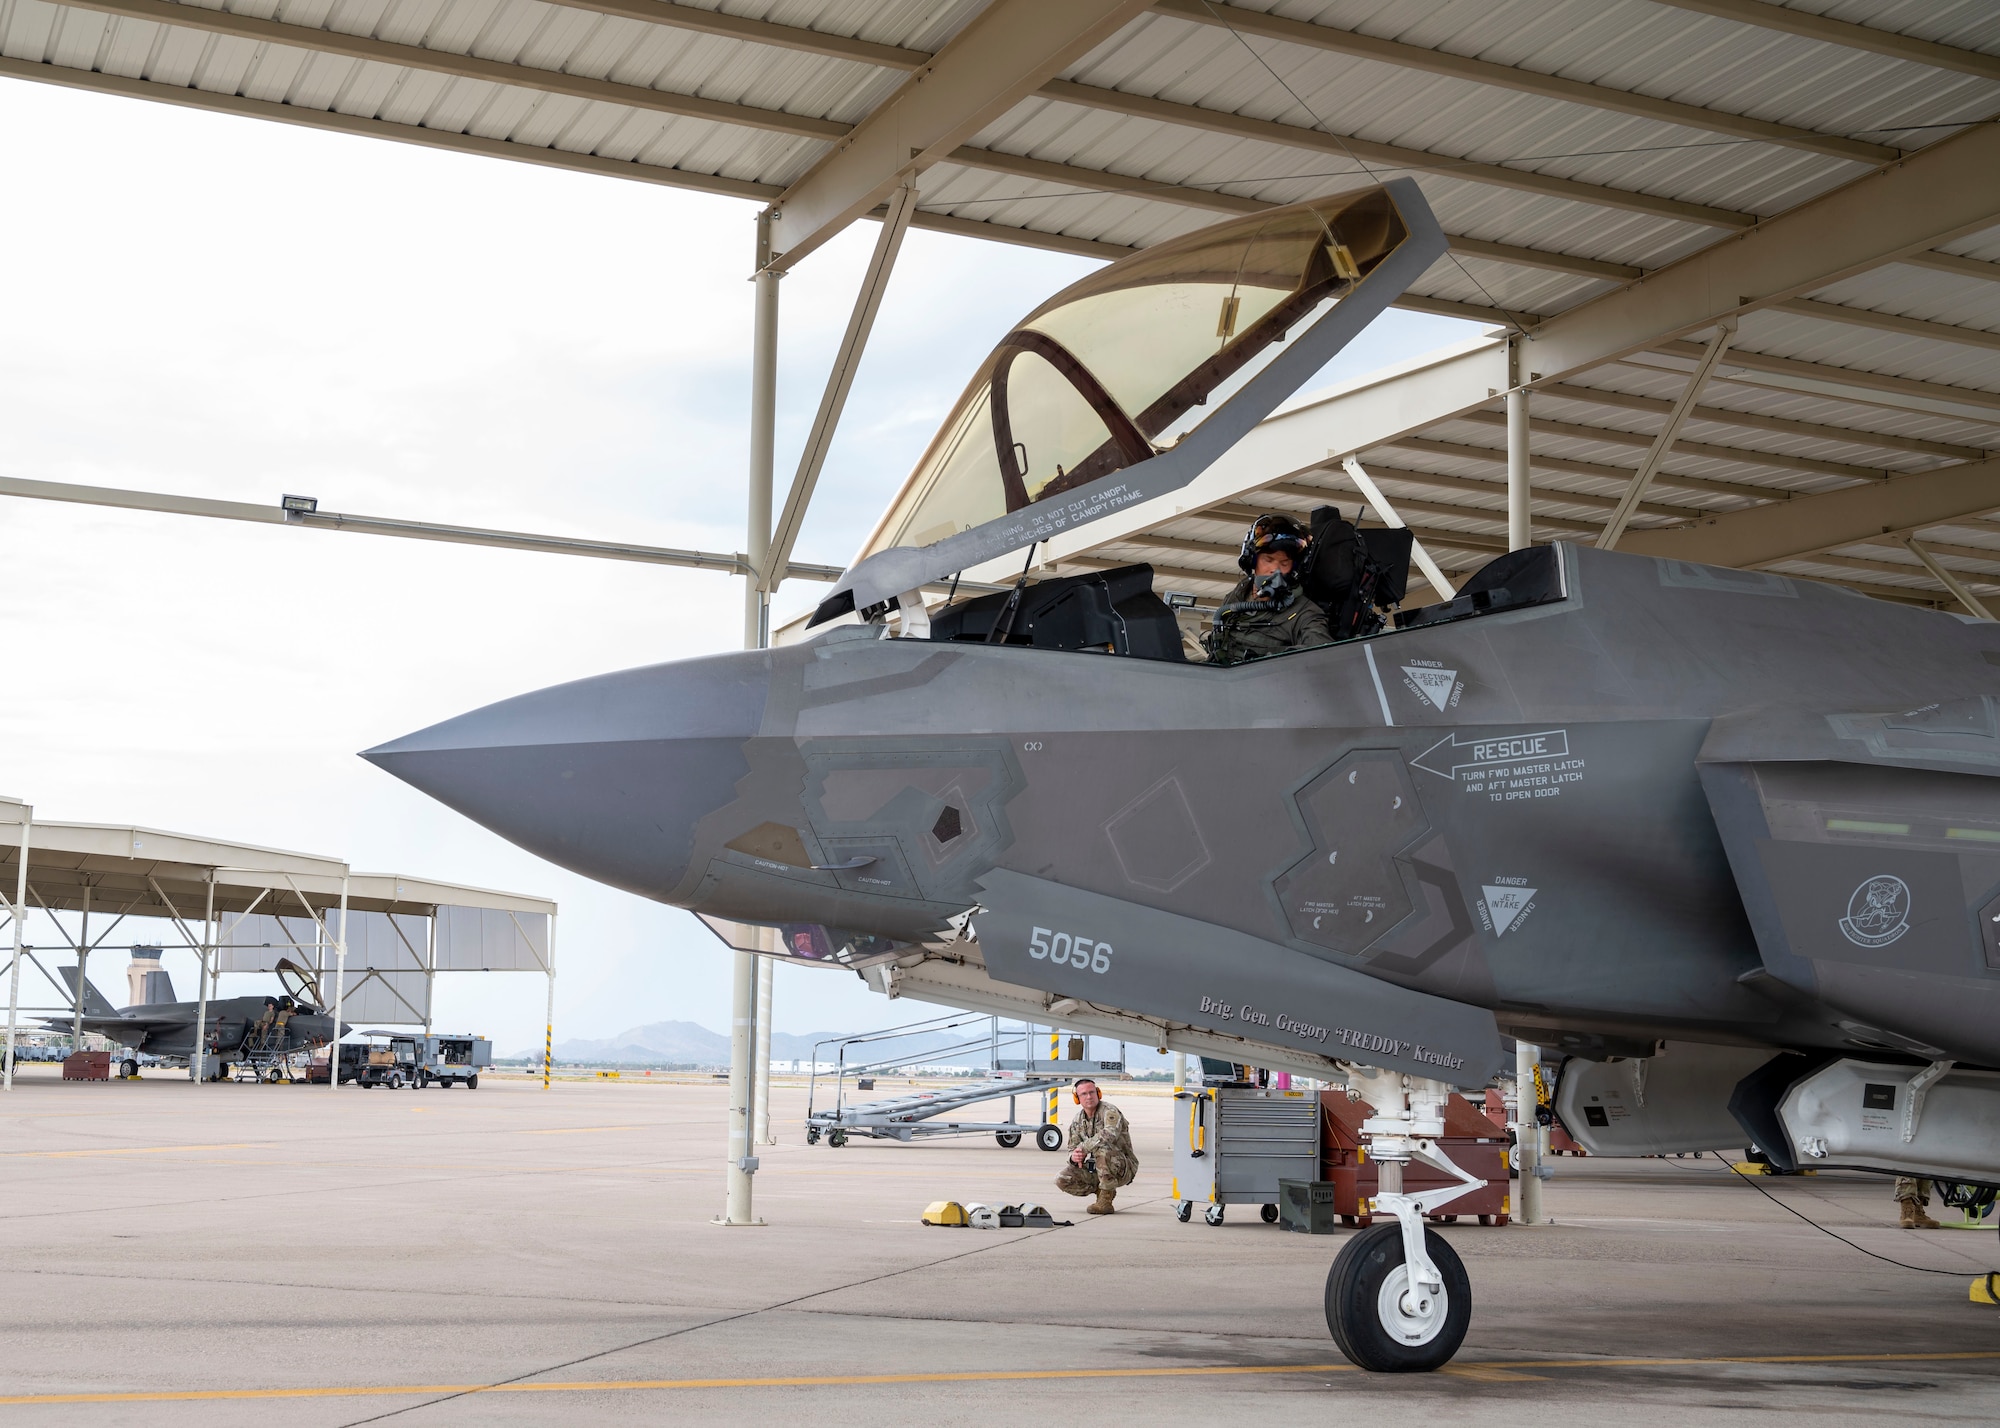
(375, 942)
(1741, 257)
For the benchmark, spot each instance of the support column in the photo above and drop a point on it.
(339, 988)
(763, 442)
(1527, 1135)
(1520, 533)
(761, 1127)
(198, 1053)
(82, 974)
(742, 1091)
(20, 927)
(743, 1072)
(549, 1024)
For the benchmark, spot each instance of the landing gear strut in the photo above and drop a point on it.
(1397, 1298)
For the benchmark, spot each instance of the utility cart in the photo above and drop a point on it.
(1235, 1140)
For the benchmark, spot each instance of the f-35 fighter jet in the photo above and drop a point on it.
(258, 1029)
(1728, 841)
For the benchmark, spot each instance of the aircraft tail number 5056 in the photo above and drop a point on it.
(1066, 949)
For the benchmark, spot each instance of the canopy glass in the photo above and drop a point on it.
(1120, 365)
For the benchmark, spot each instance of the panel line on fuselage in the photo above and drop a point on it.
(1381, 694)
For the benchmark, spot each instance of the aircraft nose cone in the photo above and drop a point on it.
(607, 776)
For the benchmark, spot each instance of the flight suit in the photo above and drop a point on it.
(1247, 629)
(1106, 1141)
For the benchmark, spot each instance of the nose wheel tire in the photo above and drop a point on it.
(1377, 1318)
(128, 1068)
(1049, 1138)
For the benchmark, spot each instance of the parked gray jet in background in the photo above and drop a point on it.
(1729, 841)
(256, 1029)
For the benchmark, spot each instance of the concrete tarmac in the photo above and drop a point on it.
(238, 1254)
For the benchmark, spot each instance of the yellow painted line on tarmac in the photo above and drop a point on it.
(1487, 1372)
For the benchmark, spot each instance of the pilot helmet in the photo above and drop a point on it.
(1273, 532)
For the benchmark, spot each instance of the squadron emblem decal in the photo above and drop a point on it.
(1878, 912)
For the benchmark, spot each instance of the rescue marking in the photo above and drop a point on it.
(1507, 768)
(209, 1395)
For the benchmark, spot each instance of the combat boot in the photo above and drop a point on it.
(1102, 1204)
(1915, 1218)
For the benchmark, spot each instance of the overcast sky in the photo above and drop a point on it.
(223, 307)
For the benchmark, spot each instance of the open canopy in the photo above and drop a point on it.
(1124, 361)
(1101, 396)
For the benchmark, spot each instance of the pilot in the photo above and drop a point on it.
(1101, 1158)
(1267, 612)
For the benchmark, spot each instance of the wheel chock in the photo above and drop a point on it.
(946, 1212)
(982, 1217)
(1986, 1289)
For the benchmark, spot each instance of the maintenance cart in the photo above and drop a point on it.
(1235, 1140)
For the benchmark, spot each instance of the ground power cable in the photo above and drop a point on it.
(1918, 1268)
(694, 1328)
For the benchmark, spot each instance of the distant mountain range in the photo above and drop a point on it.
(686, 1043)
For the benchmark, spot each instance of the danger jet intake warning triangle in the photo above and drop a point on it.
(1506, 904)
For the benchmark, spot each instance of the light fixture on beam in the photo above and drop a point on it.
(298, 507)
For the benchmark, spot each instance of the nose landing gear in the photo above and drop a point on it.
(1397, 1298)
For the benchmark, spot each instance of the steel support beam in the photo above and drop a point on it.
(1845, 33)
(314, 39)
(1764, 370)
(1664, 441)
(1387, 512)
(1796, 529)
(1938, 194)
(388, 526)
(1359, 151)
(1006, 53)
(724, 25)
(188, 97)
(1760, 421)
(1888, 322)
(1520, 81)
(1947, 578)
(833, 401)
(1520, 472)
(1746, 455)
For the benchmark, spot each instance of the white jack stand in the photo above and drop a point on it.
(1397, 1299)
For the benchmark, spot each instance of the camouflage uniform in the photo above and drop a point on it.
(1247, 629)
(1109, 1160)
(1913, 1199)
